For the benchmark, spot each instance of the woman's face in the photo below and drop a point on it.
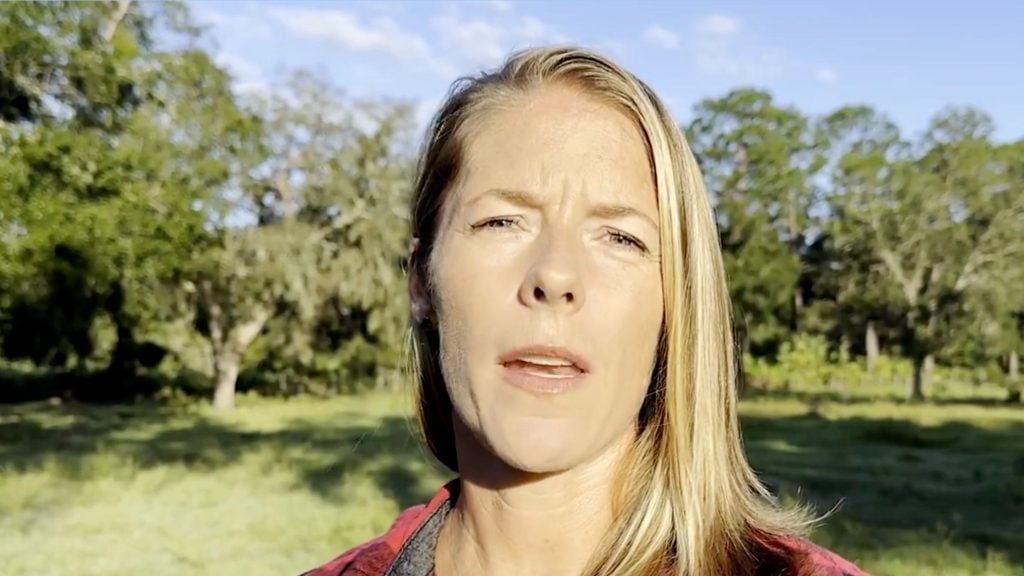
(550, 241)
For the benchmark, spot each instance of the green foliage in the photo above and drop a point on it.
(758, 160)
(810, 365)
(149, 219)
(803, 361)
(319, 262)
(112, 157)
(137, 192)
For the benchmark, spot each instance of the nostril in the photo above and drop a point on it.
(569, 297)
(538, 293)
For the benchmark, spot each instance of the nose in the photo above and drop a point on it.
(555, 280)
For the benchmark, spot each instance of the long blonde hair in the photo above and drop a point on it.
(689, 502)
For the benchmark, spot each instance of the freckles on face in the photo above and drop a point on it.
(551, 239)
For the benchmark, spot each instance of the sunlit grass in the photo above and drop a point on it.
(279, 486)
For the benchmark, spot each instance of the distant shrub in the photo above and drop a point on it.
(802, 362)
(808, 364)
(893, 370)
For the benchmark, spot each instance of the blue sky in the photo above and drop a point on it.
(908, 59)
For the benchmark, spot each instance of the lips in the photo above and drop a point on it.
(550, 361)
(545, 371)
(541, 369)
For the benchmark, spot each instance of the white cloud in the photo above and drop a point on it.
(248, 23)
(617, 50)
(457, 38)
(720, 47)
(345, 29)
(380, 35)
(473, 39)
(713, 44)
(240, 68)
(424, 112)
(383, 7)
(719, 25)
(503, 6)
(826, 74)
(661, 37)
(533, 29)
(248, 77)
(487, 40)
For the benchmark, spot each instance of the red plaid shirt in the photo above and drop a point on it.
(407, 548)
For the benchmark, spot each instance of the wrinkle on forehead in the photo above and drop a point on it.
(586, 131)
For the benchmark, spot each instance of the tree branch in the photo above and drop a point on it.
(910, 287)
(110, 26)
(984, 253)
(245, 333)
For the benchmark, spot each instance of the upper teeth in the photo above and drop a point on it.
(545, 360)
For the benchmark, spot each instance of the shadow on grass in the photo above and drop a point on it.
(322, 454)
(853, 398)
(954, 482)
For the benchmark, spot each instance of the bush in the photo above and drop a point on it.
(808, 363)
(802, 362)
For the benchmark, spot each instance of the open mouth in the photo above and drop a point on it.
(544, 369)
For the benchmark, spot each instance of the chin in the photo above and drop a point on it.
(538, 446)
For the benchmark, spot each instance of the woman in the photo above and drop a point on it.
(573, 346)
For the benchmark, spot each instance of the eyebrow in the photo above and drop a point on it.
(528, 200)
(516, 197)
(618, 211)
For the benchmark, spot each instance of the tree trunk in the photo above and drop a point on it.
(228, 355)
(923, 368)
(742, 348)
(121, 368)
(226, 372)
(1013, 378)
(871, 346)
(110, 26)
(744, 335)
(798, 308)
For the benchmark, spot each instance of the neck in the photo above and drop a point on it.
(508, 521)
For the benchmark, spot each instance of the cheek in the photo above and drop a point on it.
(631, 309)
(467, 285)
(455, 319)
(633, 336)
(468, 312)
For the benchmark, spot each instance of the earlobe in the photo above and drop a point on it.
(419, 296)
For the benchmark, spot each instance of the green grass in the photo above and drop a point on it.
(279, 486)
(922, 489)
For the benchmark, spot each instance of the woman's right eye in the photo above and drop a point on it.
(496, 223)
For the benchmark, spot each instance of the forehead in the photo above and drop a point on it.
(558, 137)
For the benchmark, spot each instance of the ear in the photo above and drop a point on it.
(419, 296)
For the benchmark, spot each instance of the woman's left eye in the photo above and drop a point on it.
(627, 241)
(496, 223)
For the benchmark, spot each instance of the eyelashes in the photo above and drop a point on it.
(628, 241)
(494, 223)
(617, 238)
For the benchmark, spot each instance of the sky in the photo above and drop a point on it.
(909, 59)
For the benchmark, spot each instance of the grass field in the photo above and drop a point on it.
(279, 486)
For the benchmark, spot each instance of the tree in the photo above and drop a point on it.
(861, 147)
(940, 223)
(318, 223)
(758, 159)
(995, 306)
(114, 145)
